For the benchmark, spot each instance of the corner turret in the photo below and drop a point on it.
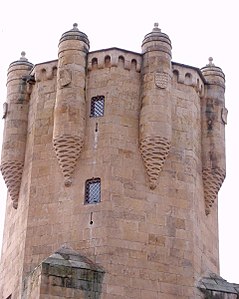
(214, 118)
(70, 108)
(15, 129)
(155, 115)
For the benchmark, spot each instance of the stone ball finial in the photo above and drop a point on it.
(75, 26)
(210, 59)
(156, 27)
(23, 54)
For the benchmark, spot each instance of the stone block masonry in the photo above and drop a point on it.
(120, 155)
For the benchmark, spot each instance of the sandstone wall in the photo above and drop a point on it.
(152, 243)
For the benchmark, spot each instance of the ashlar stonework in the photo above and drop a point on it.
(113, 161)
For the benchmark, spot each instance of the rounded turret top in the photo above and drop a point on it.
(23, 61)
(75, 34)
(213, 74)
(156, 41)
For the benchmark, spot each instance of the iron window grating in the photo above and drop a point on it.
(92, 191)
(97, 106)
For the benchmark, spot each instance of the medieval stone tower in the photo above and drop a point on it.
(113, 161)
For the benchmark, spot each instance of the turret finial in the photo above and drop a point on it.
(156, 25)
(75, 26)
(23, 54)
(210, 59)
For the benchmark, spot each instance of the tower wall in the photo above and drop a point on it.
(151, 242)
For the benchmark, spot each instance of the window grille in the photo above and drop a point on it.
(92, 191)
(97, 106)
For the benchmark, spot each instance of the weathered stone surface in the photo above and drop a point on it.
(215, 287)
(63, 270)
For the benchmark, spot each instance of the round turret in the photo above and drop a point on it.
(155, 114)
(156, 41)
(70, 107)
(74, 39)
(15, 127)
(213, 74)
(214, 118)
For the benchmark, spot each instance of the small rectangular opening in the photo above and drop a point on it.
(97, 106)
(92, 191)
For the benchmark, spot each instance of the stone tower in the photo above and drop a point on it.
(113, 161)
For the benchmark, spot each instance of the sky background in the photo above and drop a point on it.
(197, 29)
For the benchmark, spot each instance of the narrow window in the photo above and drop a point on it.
(107, 61)
(133, 64)
(188, 79)
(94, 63)
(92, 191)
(175, 75)
(97, 106)
(121, 61)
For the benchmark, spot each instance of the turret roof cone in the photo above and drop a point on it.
(156, 35)
(75, 34)
(211, 72)
(22, 61)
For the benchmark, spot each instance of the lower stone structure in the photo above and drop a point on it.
(64, 274)
(215, 287)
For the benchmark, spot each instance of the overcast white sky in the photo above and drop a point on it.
(197, 29)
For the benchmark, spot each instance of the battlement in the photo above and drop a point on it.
(114, 57)
(45, 71)
(128, 60)
(189, 76)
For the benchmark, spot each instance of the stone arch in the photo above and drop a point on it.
(107, 61)
(121, 61)
(134, 64)
(94, 63)
(175, 75)
(54, 71)
(188, 79)
(43, 75)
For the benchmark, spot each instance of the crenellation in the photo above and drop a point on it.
(45, 71)
(190, 76)
(117, 58)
